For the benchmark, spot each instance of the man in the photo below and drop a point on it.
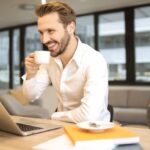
(77, 72)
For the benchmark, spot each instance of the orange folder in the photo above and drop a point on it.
(118, 135)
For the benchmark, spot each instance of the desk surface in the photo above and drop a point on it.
(14, 142)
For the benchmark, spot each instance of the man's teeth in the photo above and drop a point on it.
(51, 45)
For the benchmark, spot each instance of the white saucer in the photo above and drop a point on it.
(100, 126)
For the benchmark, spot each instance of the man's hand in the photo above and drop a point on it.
(31, 66)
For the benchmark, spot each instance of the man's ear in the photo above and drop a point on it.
(71, 27)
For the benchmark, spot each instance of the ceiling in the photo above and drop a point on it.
(12, 15)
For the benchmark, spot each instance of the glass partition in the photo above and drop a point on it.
(4, 60)
(85, 29)
(16, 58)
(142, 44)
(111, 43)
(32, 40)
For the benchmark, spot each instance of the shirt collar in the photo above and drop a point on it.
(77, 57)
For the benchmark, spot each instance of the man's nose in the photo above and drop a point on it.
(45, 38)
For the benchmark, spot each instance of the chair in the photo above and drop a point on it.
(111, 110)
(14, 107)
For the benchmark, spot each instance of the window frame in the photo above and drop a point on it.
(129, 44)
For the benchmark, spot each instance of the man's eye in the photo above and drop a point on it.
(50, 31)
(40, 33)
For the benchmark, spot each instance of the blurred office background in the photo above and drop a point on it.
(119, 29)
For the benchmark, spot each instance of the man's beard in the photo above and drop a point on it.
(64, 42)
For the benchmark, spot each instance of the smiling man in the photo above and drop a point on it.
(77, 72)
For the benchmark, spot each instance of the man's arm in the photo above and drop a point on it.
(35, 80)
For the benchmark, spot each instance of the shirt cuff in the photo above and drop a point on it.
(24, 78)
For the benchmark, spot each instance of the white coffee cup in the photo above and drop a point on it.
(42, 57)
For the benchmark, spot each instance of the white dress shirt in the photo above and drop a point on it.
(81, 87)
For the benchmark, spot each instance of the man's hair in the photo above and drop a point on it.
(65, 12)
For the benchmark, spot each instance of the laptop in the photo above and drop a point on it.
(23, 126)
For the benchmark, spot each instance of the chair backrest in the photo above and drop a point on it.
(111, 110)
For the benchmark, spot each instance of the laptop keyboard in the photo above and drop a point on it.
(25, 127)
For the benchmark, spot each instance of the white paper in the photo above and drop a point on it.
(59, 143)
(63, 143)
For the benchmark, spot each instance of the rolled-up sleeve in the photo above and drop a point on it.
(34, 87)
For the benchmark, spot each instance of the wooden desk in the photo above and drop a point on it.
(144, 136)
(14, 142)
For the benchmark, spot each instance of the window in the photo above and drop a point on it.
(142, 44)
(4, 60)
(111, 43)
(16, 57)
(85, 29)
(32, 40)
(121, 35)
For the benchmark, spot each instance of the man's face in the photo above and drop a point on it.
(53, 34)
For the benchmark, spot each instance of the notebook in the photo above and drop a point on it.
(22, 127)
(116, 135)
(66, 144)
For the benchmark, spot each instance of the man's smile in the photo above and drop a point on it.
(52, 46)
